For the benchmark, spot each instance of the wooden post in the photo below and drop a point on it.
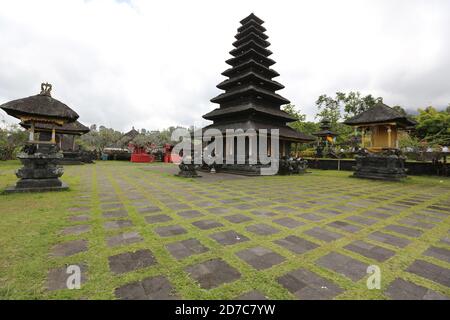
(362, 137)
(53, 135)
(31, 136)
(389, 136)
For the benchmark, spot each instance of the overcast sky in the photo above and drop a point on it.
(152, 64)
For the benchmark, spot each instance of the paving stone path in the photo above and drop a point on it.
(138, 232)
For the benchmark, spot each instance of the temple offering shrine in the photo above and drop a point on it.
(250, 100)
(325, 137)
(65, 139)
(41, 170)
(140, 154)
(380, 128)
(168, 157)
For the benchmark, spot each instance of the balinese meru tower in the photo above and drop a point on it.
(250, 100)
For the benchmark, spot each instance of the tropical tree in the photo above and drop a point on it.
(433, 126)
(12, 139)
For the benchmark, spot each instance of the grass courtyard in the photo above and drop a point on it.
(139, 232)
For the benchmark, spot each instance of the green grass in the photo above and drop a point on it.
(30, 226)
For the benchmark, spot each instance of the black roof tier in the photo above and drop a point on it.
(251, 17)
(251, 65)
(257, 37)
(249, 45)
(250, 91)
(250, 77)
(285, 132)
(250, 54)
(249, 108)
(252, 23)
(380, 113)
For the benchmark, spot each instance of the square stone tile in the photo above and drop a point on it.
(263, 213)
(323, 234)
(362, 220)
(329, 212)
(389, 239)
(438, 253)
(370, 251)
(243, 206)
(400, 289)
(130, 261)
(189, 214)
(349, 267)
(430, 271)
(69, 248)
(218, 210)
(79, 218)
(376, 214)
(344, 226)
(57, 277)
(311, 217)
(296, 244)
(149, 209)
(178, 206)
(260, 258)
(285, 209)
(251, 295)
(115, 214)
(123, 239)
(157, 218)
(416, 223)
(306, 285)
(186, 248)
(74, 230)
(262, 229)
(117, 224)
(288, 222)
(238, 218)
(213, 273)
(228, 237)
(107, 206)
(410, 232)
(207, 224)
(153, 288)
(169, 231)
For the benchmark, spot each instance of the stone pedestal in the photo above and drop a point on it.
(385, 166)
(41, 170)
(187, 171)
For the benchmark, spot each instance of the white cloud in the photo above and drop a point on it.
(154, 64)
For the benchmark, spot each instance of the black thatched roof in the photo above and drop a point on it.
(72, 128)
(325, 133)
(380, 113)
(41, 106)
(285, 132)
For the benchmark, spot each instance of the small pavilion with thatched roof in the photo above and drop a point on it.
(380, 127)
(380, 158)
(41, 169)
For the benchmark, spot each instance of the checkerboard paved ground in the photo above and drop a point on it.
(138, 232)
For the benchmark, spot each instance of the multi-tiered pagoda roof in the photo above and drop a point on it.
(250, 99)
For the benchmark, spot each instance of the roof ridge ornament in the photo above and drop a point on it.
(46, 89)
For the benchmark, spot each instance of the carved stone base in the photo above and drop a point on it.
(37, 185)
(40, 171)
(388, 166)
(187, 171)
